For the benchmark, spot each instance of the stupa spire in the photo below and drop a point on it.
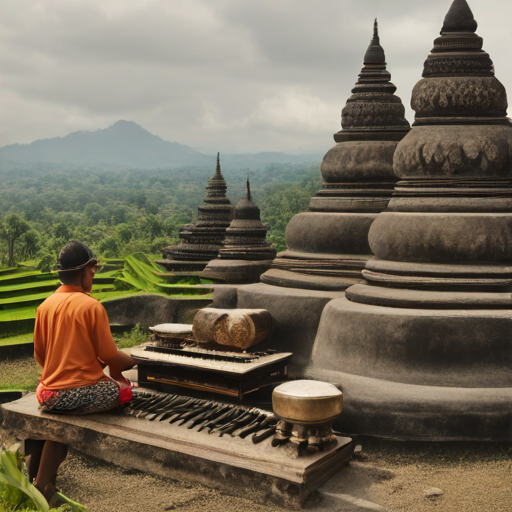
(328, 244)
(218, 173)
(375, 53)
(248, 197)
(459, 18)
(373, 105)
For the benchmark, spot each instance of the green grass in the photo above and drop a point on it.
(21, 313)
(135, 337)
(20, 373)
(17, 340)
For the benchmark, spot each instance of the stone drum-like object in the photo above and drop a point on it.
(424, 348)
(328, 244)
(240, 328)
(306, 410)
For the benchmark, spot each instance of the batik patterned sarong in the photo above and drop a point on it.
(102, 396)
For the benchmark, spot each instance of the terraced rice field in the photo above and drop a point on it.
(22, 289)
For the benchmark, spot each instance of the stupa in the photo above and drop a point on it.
(245, 253)
(201, 240)
(328, 244)
(423, 349)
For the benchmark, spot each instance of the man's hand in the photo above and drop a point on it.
(119, 363)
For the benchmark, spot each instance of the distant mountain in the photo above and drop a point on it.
(126, 144)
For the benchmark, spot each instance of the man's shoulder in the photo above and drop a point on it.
(86, 300)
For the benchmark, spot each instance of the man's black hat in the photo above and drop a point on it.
(74, 256)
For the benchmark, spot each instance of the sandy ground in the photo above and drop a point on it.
(383, 476)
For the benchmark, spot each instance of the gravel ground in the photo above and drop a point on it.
(423, 477)
(415, 477)
(412, 477)
(106, 488)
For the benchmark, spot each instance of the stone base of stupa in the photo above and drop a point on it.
(418, 374)
(183, 266)
(287, 279)
(295, 318)
(315, 271)
(236, 271)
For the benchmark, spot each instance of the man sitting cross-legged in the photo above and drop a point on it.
(73, 343)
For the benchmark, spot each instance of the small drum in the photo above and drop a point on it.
(171, 334)
(306, 409)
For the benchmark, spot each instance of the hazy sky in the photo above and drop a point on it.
(234, 75)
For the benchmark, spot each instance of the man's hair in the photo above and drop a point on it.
(73, 257)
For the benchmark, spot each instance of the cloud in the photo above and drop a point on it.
(227, 74)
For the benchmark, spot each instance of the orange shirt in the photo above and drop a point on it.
(71, 333)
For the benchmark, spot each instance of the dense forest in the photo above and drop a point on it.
(121, 211)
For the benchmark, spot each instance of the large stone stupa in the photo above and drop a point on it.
(202, 239)
(245, 253)
(423, 350)
(328, 245)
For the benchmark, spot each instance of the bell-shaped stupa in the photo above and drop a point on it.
(202, 239)
(423, 350)
(328, 244)
(245, 254)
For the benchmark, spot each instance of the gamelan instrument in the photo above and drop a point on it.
(224, 372)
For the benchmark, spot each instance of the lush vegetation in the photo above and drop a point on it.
(119, 212)
(16, 491)
(22, 289)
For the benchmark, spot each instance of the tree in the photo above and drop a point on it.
(11, 228)
(28, 244)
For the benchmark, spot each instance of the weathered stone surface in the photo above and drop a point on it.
(236, 271)
(224, 296)
(259, 472)
(459, 18)
(295, 316)
(455, 151)
(360, 161)
(148, 310)
(335, 233)
(304, 281)
(416, 346)
(460, 96)
(442, 237)
(400, 411)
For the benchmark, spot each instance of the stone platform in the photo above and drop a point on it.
(237, 466)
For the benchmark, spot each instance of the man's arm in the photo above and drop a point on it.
(119, 363)
(39, 354)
